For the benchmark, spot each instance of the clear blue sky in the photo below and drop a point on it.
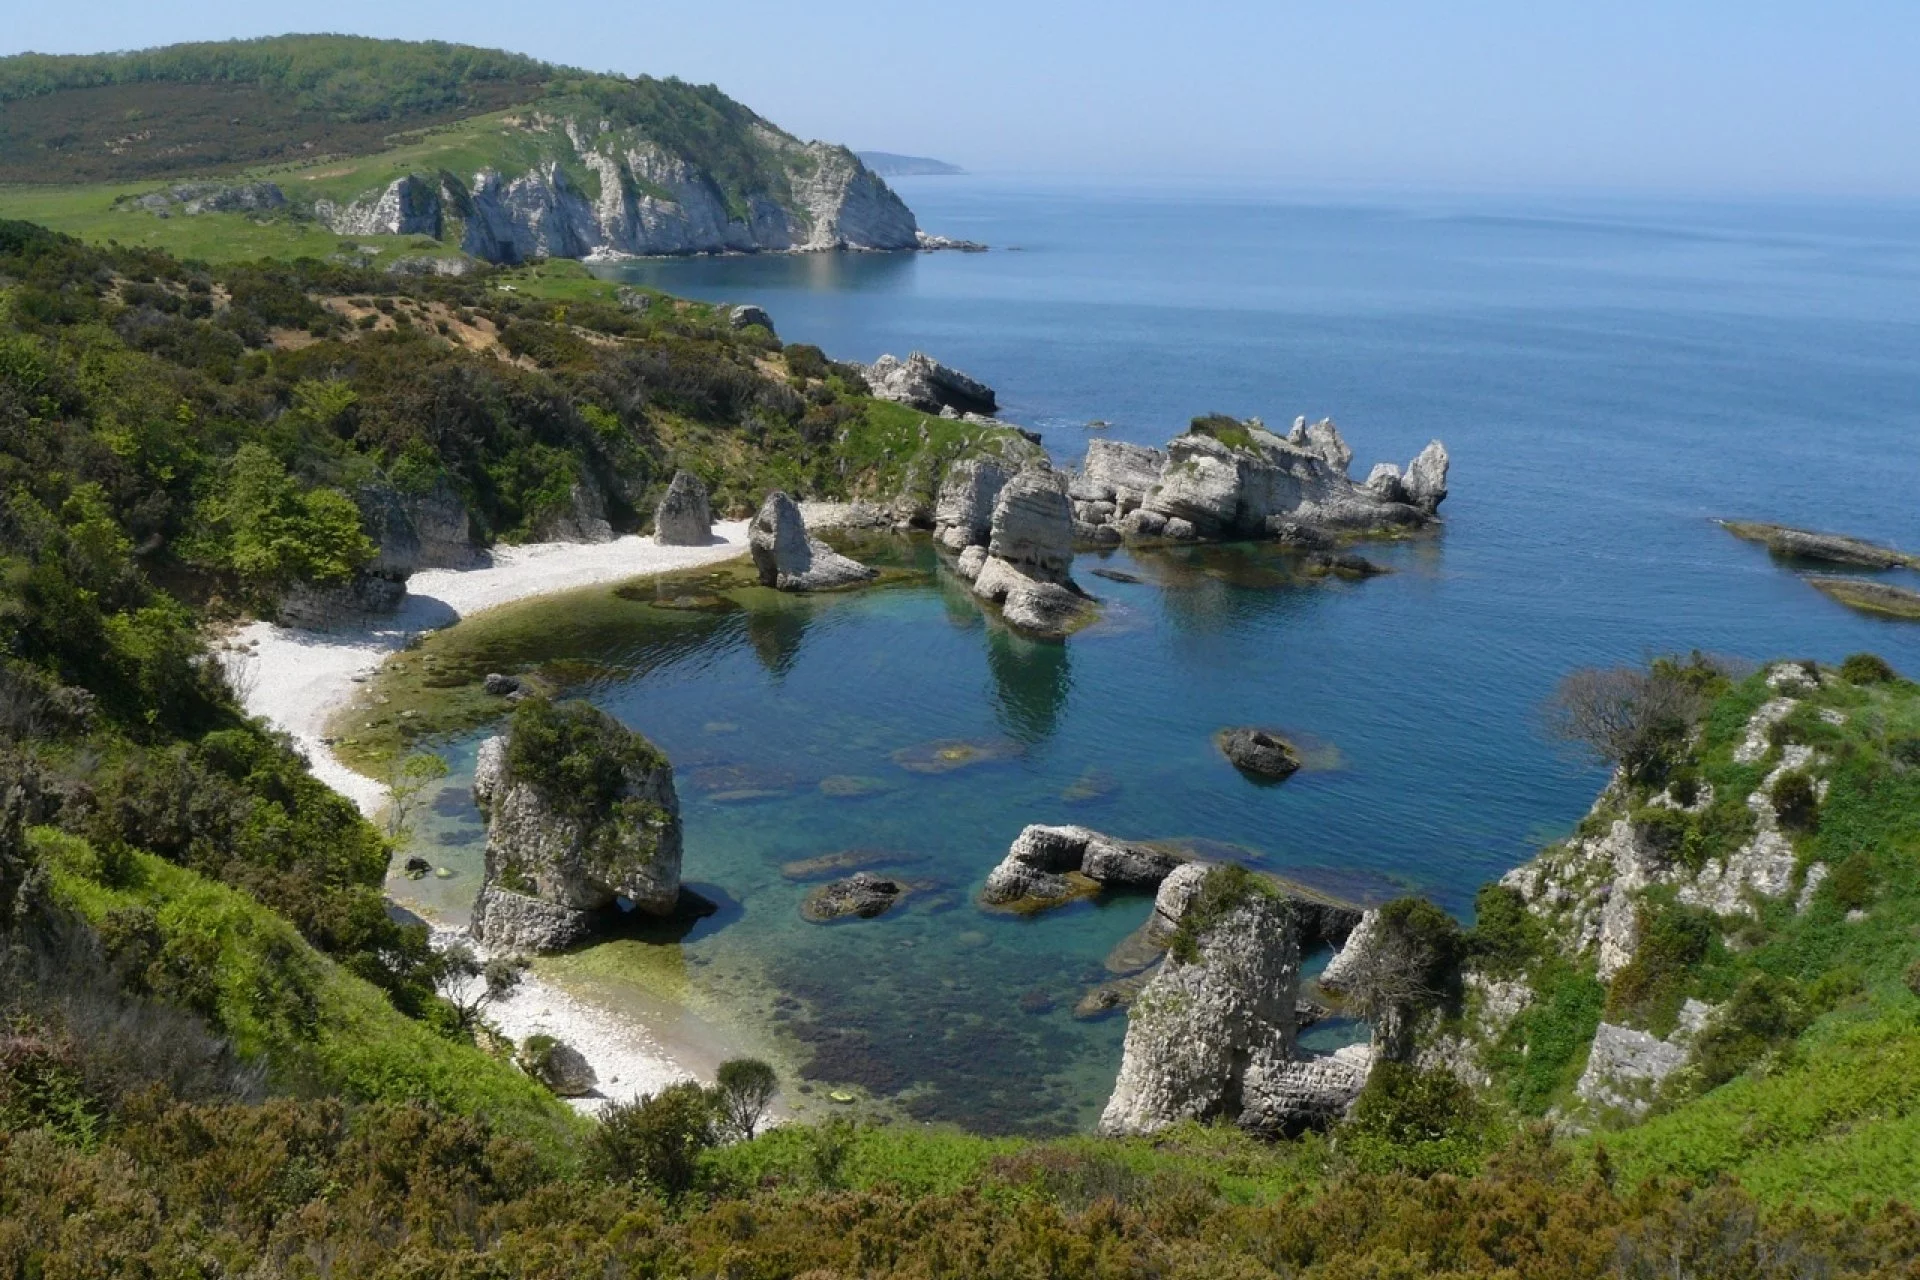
(1682, 95)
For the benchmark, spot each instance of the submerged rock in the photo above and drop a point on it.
(1257, 751)
(564, 849)
(683, 518)
(791, 559)
(862, 895)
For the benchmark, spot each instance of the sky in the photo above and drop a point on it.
(1704, 97)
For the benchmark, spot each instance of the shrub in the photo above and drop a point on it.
(1853, 881)
(1414, 1121)
(1765, 1011)
(806, 362)
(1647, 990)
(1506, 938)
(1665, 830)
(1224, 888)
(655, 1140)
(1796, 800)
(575, 753)
(1867, 668)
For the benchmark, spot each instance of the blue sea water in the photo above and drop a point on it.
(1608, 375)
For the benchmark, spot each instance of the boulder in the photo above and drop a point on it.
(1426, 478)
(861, 895)
(1117, 473)
(1258, 752)
(500, 685)
(963, 513)
(558, 1065)
(929, 386)
(318, 606)
(1046, 866)
(747, 314)
(1384, 482)
(790, 558)
(683, 518)
(581, 518)
(558, 858)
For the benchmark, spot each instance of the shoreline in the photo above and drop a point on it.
(296, 679)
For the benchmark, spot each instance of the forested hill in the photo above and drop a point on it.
(193, 108)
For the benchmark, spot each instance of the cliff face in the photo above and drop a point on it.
(601, 189)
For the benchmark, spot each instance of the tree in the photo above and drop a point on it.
(469, 984)
(1406, 961)
(409, 776)
(1627, 717)
(746, 1089)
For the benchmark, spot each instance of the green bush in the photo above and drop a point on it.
(1225, 888)
(1764, 1013)
(1867, 668)
(1648, 989)
(1506, 938)
(576, 754)
(1853, 881)
(656, 1140)
(1409, 1120)
(1796, 800)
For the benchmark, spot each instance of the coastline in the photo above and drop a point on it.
(297, 679)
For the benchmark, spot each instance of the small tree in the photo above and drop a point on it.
(746, 1089)
(1626, 717)
(1408, 962)
(406, 780)
(469, 984)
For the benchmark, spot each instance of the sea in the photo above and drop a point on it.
(1609, 374)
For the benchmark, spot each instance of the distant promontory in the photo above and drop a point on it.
(889, 165)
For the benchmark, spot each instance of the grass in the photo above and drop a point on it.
(319, 1027)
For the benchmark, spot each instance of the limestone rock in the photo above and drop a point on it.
(747, 314)
(557, 861)
(963, 513)
(1117, 473)
(1032, 525)
(1203, 1025)
(1626, 1067)
(1384, 482)
(683, 518)
(581, 518)
(929, 386)
(1832, 548)
(1259, 752)
(1046, 866)
(861, 895)
(971, 561)
(1426, 479)
(1284, 1097)
(320, 606)
(789, 558)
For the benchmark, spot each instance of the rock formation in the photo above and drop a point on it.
(1047, 866)
(862, 895)
(683, 518)
(1259, 752)
(1626, 1067)
(650, 200)
(1226, 479)
(1025, 566)
(558, 1065)
(746, 315)
(565, 849)
(1213, 1033)
(929, 386)
(1833, 548)
(790, 558)
(581, 518)
(963, 512)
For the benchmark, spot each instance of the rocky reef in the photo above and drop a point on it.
(582, 824)
(683, 518)
(1259, 752)
(1225, 479)
(1024, 562)
(1830, 548)
(789, 558)
(1213, 1033)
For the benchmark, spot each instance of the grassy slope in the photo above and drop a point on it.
(346, 1039)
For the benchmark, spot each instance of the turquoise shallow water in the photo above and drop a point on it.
(1607, 376)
